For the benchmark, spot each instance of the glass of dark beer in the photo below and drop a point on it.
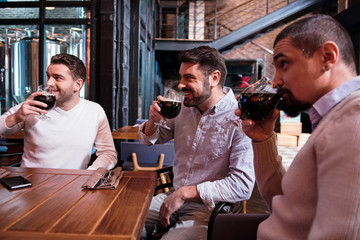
(259, 100)
(170, 106)
(47, 97)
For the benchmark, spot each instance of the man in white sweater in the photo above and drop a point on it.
(74, 128)
(318, 197)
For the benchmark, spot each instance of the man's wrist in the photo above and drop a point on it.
(12, 120)
(188, 193)
(149, 128)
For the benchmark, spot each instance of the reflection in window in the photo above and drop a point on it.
(67, 12)
(19, 74)
(143, 10)
(19, 13)
(20, 69)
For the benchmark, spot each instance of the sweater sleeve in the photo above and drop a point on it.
(105, 149)
(268, 168)
(5, 130)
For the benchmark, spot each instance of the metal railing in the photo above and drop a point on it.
(210, 19)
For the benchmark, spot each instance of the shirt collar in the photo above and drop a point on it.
(226, 101)
(322, 106)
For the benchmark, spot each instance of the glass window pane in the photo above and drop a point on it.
(150, 17)
(19, 13)
(143, 10)
(67, 12)
(19, 55)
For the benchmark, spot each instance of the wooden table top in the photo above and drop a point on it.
(56, 207)
(126, 132)
(17, 135)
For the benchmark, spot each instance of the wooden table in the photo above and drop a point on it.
(56, 207)
(126, 132)
(17, 135)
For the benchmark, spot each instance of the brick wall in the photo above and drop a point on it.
(243, 15)
(252, 51)
(244, 12)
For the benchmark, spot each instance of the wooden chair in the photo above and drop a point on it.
(139, 157)
(12, 154)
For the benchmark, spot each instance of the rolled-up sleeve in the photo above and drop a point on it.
(5, 130)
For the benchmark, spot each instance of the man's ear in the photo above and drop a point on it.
(330, 54)
(78, 84)
(215, 78)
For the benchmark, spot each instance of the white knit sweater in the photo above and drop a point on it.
(66, 139)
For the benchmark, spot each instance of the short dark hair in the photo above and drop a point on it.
(209, 60)
(310, 32)
(76, 66)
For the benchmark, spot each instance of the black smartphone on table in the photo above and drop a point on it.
(15, 182)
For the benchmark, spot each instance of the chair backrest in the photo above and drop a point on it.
(11, 152)
(140, 121)
(146, 155)
(236, 226)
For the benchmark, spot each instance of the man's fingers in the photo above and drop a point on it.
(165, 222)
(164, 218)
(35, 103)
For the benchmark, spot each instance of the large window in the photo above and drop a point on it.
(31, 32)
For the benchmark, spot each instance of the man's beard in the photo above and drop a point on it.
(291, 106)
(63, 97)
(196, 101)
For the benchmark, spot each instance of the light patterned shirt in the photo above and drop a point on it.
(211, 152)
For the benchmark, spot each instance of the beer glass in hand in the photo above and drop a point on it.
(258, 101)
(170, 106)
(47, 97)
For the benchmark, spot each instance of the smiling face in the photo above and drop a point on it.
(65, 88)
(194, 84)
(298, 78)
